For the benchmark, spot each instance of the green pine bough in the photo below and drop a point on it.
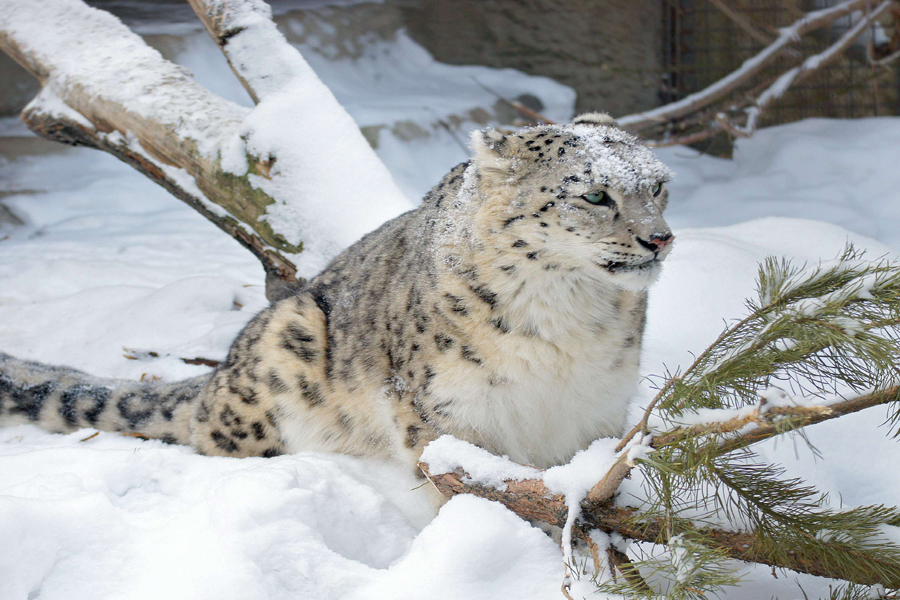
(814, 337)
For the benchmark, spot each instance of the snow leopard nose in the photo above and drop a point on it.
(656, 242)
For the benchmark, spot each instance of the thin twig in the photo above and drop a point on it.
(642, 426)
(684, 140)
(630, 572)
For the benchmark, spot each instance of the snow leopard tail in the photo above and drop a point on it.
(60, 399)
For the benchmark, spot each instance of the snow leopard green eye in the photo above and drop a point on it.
(598, 198)
(657, 189)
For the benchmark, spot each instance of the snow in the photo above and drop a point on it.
(618, 158)
(327, 195)
(446, 454)
(410, 103)
(122, 69)
(575, 479)
(107, 261)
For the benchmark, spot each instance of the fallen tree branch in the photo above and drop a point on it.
(257, 174)
(530, 498)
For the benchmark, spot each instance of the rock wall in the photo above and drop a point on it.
(609, 51)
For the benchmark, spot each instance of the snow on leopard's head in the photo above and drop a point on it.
(585, 196)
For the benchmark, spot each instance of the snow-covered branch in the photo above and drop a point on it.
(763, 421)
(258, 53)
(809, 66)
(752, 66)
(531, 499)
(525, 493)
(104, 87)
(259, 174)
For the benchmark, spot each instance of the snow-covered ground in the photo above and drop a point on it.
(108, 264)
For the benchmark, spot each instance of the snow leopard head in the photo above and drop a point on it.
(584, 196)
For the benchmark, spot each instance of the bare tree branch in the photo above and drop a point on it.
(809, 66)
(723, 87)
(751, 28)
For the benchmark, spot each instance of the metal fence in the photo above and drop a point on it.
(703, 43)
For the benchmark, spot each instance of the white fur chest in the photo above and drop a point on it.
(560, 379)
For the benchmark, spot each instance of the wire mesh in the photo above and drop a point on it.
(702, 44)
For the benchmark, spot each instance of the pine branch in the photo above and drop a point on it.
(769, 422)
(532, 500)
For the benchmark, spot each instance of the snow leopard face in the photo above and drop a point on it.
(586, 196)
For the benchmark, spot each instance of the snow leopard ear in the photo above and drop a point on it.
(487, 140)
(493, 151)
(596, 119)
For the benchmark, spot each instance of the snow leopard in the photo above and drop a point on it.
(507, 310)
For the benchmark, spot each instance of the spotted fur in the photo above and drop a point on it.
(507, 310)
